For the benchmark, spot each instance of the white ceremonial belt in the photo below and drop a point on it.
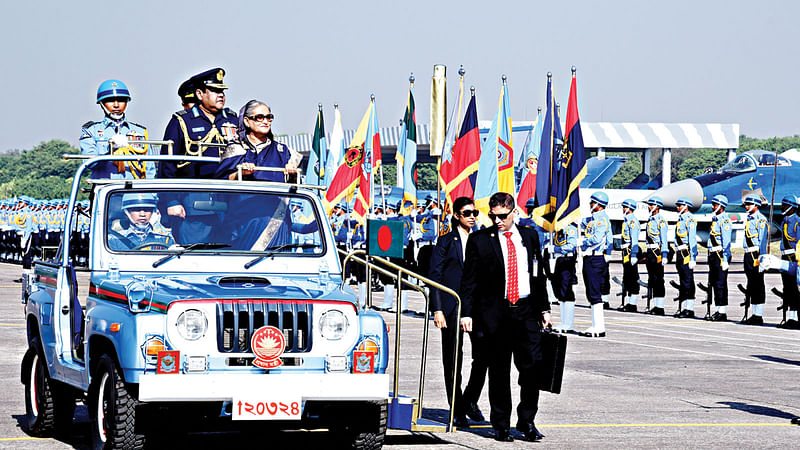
(624, 246)
(716, 248)
(593, 253)
(653, 246)
(751, 249)
(681, 247)
(787, 252)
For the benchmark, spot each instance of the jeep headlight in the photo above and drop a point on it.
(139, 294)
(192, 324)
(333, 325)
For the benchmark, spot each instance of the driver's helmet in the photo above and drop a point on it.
(140, 200)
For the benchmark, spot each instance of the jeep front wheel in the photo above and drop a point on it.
(49, 407)
(112, 409)
(368, 435)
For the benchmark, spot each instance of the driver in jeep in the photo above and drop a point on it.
(136, 231)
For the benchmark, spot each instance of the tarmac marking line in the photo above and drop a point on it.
(25, 438)
(12, 324)
(705, 353)
(654, 425)
(711, 340)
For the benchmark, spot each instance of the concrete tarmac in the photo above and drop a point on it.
(653, 382)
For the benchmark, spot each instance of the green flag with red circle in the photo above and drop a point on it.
(385, 238)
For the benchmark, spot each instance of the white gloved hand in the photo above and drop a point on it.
(692, 264)
(767, 262)
(634, 260)
(664, 261)
(725, 264)
(119, 140)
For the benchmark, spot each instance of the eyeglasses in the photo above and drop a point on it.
(469, 212)
(261, 117)
(502, 216)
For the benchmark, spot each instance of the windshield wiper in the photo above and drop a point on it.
(278, 248)
(195, 246)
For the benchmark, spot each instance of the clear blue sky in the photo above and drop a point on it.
(638, 61)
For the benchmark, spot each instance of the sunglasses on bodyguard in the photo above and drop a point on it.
(502, 216)
(469, 212)
(261, 117)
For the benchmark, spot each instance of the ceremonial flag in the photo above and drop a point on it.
(459, 166)
(407, 155)
(527, 186)
(372, 152)
(347, 175)
(336, 149)
(544, 214)
(499, 141)
(315, 170)
(570, 165)
(450, 137)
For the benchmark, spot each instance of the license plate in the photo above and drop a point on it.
(267, 409)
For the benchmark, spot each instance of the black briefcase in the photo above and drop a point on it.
(550, 370)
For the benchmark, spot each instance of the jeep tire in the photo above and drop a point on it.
(365, 436)
(49, 405)
(112, 409)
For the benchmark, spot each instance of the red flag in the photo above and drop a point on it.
(460, 165)
(347, 175)
(372, 159)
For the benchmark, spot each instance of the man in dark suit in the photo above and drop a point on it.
(447, 263)
(505, 301)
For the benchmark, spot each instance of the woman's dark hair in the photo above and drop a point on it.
(247, 110)
(458, 205)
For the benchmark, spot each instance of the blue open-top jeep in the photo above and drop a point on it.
(201, 299)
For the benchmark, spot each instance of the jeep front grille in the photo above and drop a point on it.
(238, 320)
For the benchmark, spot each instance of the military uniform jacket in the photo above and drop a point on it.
(657, 241)
(94, 141)
(597, 233)
(630, 238)
(719, 237)
(686, 237)
(566, 241)
(755, 235)
(187, 129)
(789, 233)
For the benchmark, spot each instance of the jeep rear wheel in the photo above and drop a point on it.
(49, 407)
(368, 436)
(112, 409)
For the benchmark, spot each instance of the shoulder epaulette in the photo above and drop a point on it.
(138, 125)
(182, 112)
(231, 112)
(90, 123)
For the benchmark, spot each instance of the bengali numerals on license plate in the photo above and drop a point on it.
(278, 409)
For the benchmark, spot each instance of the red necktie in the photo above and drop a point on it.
(511, 268)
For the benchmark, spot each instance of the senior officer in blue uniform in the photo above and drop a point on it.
(597, 232)
(755, 244)
(719, 256)
(790, 230)
(685, 257)
(630, 256)
(208, 122)
(115, 130)
(657, 251)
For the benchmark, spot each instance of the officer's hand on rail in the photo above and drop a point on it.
(466, 324)
(177, 210)
(438, 320)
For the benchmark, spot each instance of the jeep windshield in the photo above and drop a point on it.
(174, 221)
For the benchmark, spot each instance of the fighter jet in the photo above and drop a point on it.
(751, 172)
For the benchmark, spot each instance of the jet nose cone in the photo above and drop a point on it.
(685, 188)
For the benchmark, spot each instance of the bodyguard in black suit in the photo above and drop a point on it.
(447, 264)
(505, 301)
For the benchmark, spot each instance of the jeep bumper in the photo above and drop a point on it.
(223, 387)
